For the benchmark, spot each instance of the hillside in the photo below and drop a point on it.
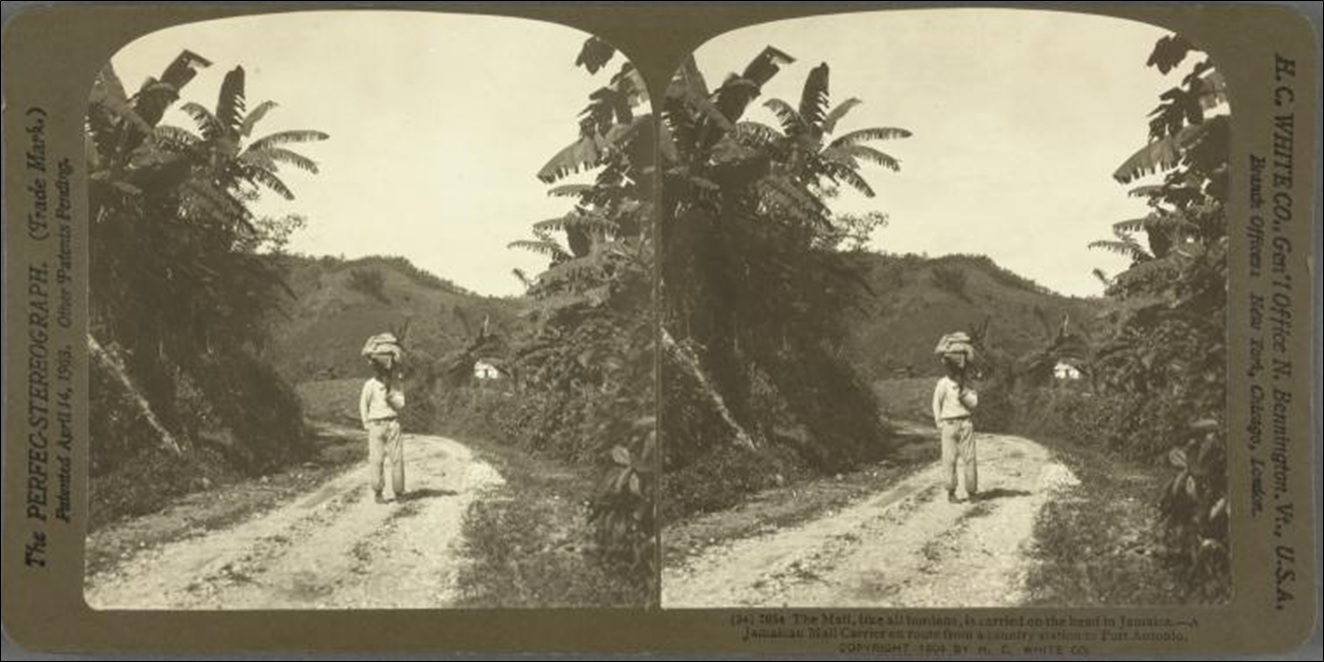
(336, 304)
(917, 299)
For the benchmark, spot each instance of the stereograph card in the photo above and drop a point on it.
(857, 329)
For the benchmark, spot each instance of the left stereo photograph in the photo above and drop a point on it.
(370, 326)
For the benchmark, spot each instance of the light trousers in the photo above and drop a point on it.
(958, 447)
(385, 443)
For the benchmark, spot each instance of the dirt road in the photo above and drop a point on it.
(905, 546)
(330, 548)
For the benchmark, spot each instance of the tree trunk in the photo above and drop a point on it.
(112, 364)
(691, 364)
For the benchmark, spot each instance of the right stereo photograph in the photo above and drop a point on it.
(943, 301)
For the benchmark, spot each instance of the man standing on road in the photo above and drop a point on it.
(954, 402)
(379, 408)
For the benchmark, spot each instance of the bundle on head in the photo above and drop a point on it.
(384, 350)
(956, 346)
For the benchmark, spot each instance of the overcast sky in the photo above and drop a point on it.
(438, 126)
(439, 123)
(1019, 119)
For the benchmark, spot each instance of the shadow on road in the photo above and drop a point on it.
(426, 493)
(1002, 493)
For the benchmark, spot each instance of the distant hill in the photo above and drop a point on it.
(337, 304)
(917, 299)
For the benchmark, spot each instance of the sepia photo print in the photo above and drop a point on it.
(945, 298)
(885, 329)
(370, 325)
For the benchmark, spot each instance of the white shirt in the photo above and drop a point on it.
(378, 402)
(951, 401)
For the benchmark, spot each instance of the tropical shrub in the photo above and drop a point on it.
(756, 284)
(179, 293)
(1167, 348)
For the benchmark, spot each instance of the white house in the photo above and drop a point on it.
(484, 369)
(1065, 371)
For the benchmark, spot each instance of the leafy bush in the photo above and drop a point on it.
(1167, 348)
(179, 292)
(1194, 511)
(580, 393)
(624, 513)
(759, 279)
(586, 369)
(260, 410)
(718, 480)
(1130, 426)
(1156, 431)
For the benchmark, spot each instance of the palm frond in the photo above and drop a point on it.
(865, 135)
(852, 178)
(285, 157)
(256, 160)
(814, 99)
(545, 247)
(736, 92)
(596, 224)
(595, 54)
(1146, 270)
(583, 154)
(630, 83)
(208, 125)
(1169, 52)
(230, 103)
(156, 95)
(757, 133)
(606, 107)
(183, 68)
(830, 122)
(203, 201)
(865, 153)
(108, 95)
(175, 138)
(1129, 225)
(269, 180)
(569, 190)
(765, 65)
(286, 138)
(1168, 221)
(554, 224)
(1125, 247)
(574, 273)
(1158, 155)
(255, 116)
(710, 111)
(577, 220)
(792, 122)
(523, 277)
(786, 195)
